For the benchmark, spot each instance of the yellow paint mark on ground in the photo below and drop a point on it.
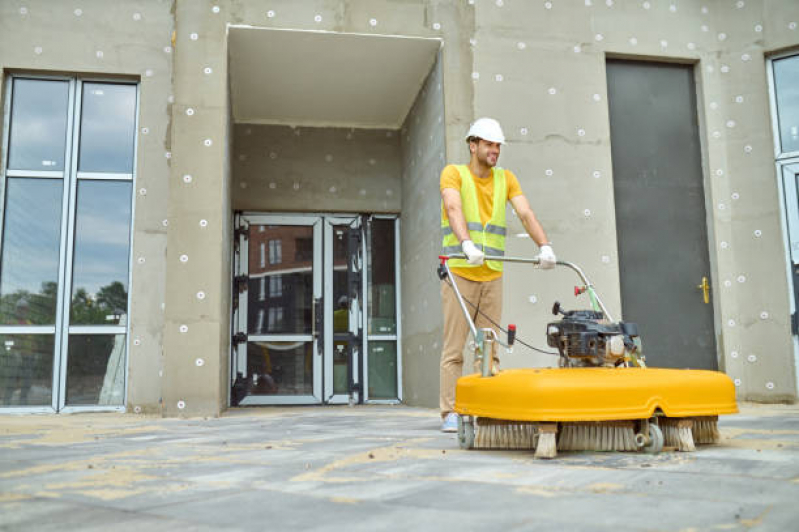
(381, 454)
(344, 500)
(60, 434)
(757, 521)
(110, 494)
(14, 497)
(605, 487)
(119, 477)
(73, 465)
(537, 490)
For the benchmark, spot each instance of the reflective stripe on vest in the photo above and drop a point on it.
(491, 238)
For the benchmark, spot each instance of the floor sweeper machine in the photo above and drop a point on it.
(601, 397)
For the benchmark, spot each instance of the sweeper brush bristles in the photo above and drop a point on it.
(706, 430)
(501, 434)
(597, 436)
(678, 432)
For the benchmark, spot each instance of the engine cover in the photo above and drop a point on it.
(585, 338)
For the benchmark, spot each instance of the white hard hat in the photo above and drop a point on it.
(487, 129)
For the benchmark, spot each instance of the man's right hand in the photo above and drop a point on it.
(473, 255)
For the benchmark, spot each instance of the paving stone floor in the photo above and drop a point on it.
(378, 468)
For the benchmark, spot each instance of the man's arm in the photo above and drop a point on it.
(530, 222)
(454, 210)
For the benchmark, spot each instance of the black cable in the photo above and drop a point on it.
(498, 326)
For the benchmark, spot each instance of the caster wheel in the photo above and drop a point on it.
(655, 440)
(466, 432)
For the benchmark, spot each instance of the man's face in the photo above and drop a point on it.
(487, 153)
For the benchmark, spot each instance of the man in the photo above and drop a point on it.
(474, 198)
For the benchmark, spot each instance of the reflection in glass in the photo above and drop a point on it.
(381, 278)
(280, 368)
(382, 370)
(96, 369)
(38, 134)
(341, 310)
(107, 128)
(31, 238)
(26, 369)
(289, 305)
(102, 244)
(786, 81)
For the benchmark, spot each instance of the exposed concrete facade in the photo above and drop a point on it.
(280, 169)
(539, 67)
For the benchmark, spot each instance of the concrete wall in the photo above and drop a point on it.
(280, 168)
(130, 39)
(190, 388)
(423, 148)
(539, 68)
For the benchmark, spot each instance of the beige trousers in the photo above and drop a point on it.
(487, 296)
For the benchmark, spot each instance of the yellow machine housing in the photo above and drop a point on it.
(595, 394)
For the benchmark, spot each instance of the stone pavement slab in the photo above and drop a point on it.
(378, 468)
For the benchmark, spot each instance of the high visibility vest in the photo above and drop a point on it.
(491, 237)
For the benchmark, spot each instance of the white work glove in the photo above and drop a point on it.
(546, 257)
(473, 255)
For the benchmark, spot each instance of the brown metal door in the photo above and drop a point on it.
(660, 211)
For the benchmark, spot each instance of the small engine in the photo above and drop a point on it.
(584, 338)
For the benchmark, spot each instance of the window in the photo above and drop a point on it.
(276, 286)
(786, 96)
(275, 252)
(303, 252)
(65, 241)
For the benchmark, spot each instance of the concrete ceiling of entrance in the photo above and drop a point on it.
(309, 78)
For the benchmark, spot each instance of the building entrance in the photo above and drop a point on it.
(315, 310)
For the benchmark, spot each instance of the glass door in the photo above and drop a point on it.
(278, 316)
(343, 318)
(300, 311)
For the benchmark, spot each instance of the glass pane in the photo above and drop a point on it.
(96, 369)
(107, 128)
(341, 311)
(31, 240)
(26, 369)
(381, 276)
(382, 370)
(38, 125)
(102, 243)
(341, 366)
(283, 303)
(786, 81)
(280, 368)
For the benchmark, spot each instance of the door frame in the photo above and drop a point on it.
(239, 350)
(356, 310)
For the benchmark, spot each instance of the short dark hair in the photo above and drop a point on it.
(471, 139)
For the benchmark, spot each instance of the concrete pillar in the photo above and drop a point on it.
(196, 327)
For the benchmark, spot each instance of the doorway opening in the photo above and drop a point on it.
(315, 309)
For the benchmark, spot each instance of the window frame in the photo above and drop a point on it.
(70, 177)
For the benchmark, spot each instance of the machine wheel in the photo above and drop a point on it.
(466, 432)
(655, 440)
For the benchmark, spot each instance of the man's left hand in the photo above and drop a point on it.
(546, 257)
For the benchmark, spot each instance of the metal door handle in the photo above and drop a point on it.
(317, 323)
(705, 288)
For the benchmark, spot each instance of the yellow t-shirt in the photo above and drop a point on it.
(451, 178)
